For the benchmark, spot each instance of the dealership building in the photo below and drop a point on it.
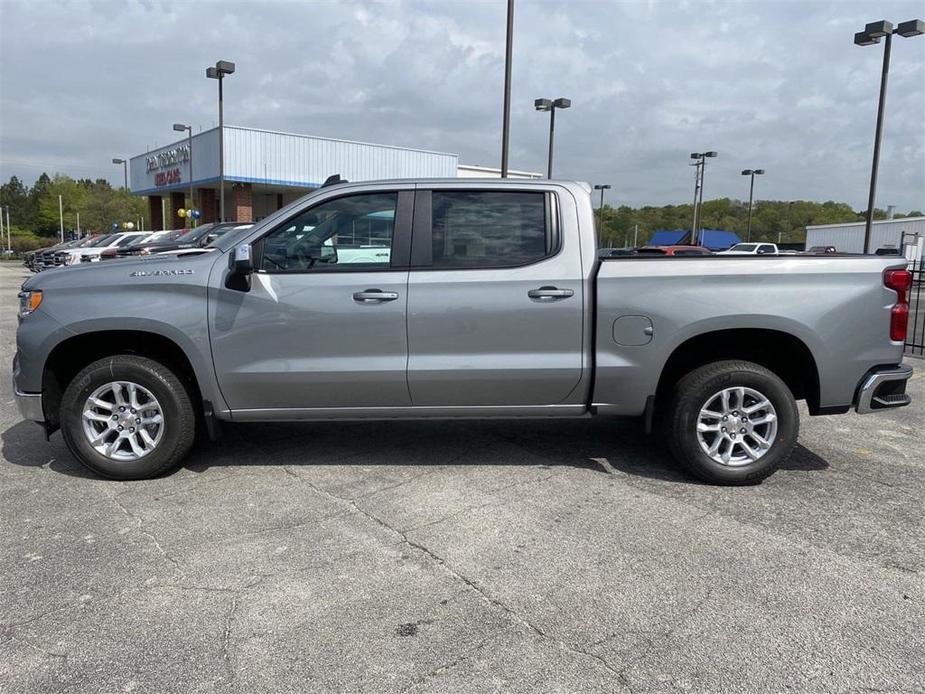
(265, 170)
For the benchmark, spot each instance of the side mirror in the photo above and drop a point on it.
(240, 268)
(239, 260)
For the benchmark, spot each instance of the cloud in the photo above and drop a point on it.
(773, 85)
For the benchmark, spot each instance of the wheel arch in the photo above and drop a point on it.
(71, 355)
(781, 352)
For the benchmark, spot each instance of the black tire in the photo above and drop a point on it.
(179, 418)
(693, 392)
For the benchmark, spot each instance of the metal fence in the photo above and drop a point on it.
(915, 335)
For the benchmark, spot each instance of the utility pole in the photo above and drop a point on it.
(600, 225)
(506, 117)
(751, 197)
(78, 225)
(636, 237)
(61, 216)
(701, 159)
(696, 192)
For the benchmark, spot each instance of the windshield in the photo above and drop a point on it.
(159, 236)
(748, 247)
(196, 234)
(229, 233)
(102, 240)
(138, 240)
(121, 243)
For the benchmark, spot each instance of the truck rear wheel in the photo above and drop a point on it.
(732, 422)
(127, 417)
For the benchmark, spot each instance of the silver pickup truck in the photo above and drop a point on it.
(475, 298)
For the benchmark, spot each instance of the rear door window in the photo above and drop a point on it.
(486, 229)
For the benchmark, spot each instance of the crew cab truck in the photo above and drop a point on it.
(490, 302)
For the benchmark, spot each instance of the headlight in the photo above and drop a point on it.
(29, 301)
(144, 251)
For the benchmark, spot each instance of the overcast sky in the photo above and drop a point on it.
(777, 85)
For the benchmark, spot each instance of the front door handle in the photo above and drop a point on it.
(370, 296)
(550, 293)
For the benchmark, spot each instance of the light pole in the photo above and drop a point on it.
(506, 116)
(179, 127)
(551, 106)
(871, 35)
(601, 187)
(61, 216)
(124, 163)
(751, 196)
(701, 164)
(222, 68)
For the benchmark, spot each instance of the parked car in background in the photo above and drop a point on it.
(821, 250)
(615, 252)
(125, 249)
(673, 250)
(196, 237)
(78, 254)
(515, 316)
(751, 249)
(61, 256)
(44, 258)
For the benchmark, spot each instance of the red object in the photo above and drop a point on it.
(673, 250)
(900, 281)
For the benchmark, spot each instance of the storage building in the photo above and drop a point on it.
(907, 235)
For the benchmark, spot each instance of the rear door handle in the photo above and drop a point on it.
(370, 296)
(550, 293)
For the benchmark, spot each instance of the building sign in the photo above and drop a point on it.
(170, 157)
(167, 178)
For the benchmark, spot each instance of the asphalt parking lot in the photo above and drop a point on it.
(463, 557)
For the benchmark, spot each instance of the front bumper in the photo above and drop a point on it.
(883, 388)
(30, 406)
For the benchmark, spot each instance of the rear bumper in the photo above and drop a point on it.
(883, 388)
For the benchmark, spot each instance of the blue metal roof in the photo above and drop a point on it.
(714, 239)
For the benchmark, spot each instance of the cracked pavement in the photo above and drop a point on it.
(463, 557)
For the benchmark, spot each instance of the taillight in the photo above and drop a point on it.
(900, 281)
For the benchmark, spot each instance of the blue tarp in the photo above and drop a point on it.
(714, 239)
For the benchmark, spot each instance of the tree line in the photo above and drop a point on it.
(34, 212)
(772, 220)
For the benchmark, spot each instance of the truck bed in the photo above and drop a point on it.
(646, 308)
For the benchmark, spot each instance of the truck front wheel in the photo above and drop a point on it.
(732, 422)
(127, 417)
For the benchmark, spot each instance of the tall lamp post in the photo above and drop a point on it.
(700, 159)
(179, 127)
(601, 187)
(551, 106)
(222, 68)
(124, 170)
(751, 197)
(506, 114)
(871, 35)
